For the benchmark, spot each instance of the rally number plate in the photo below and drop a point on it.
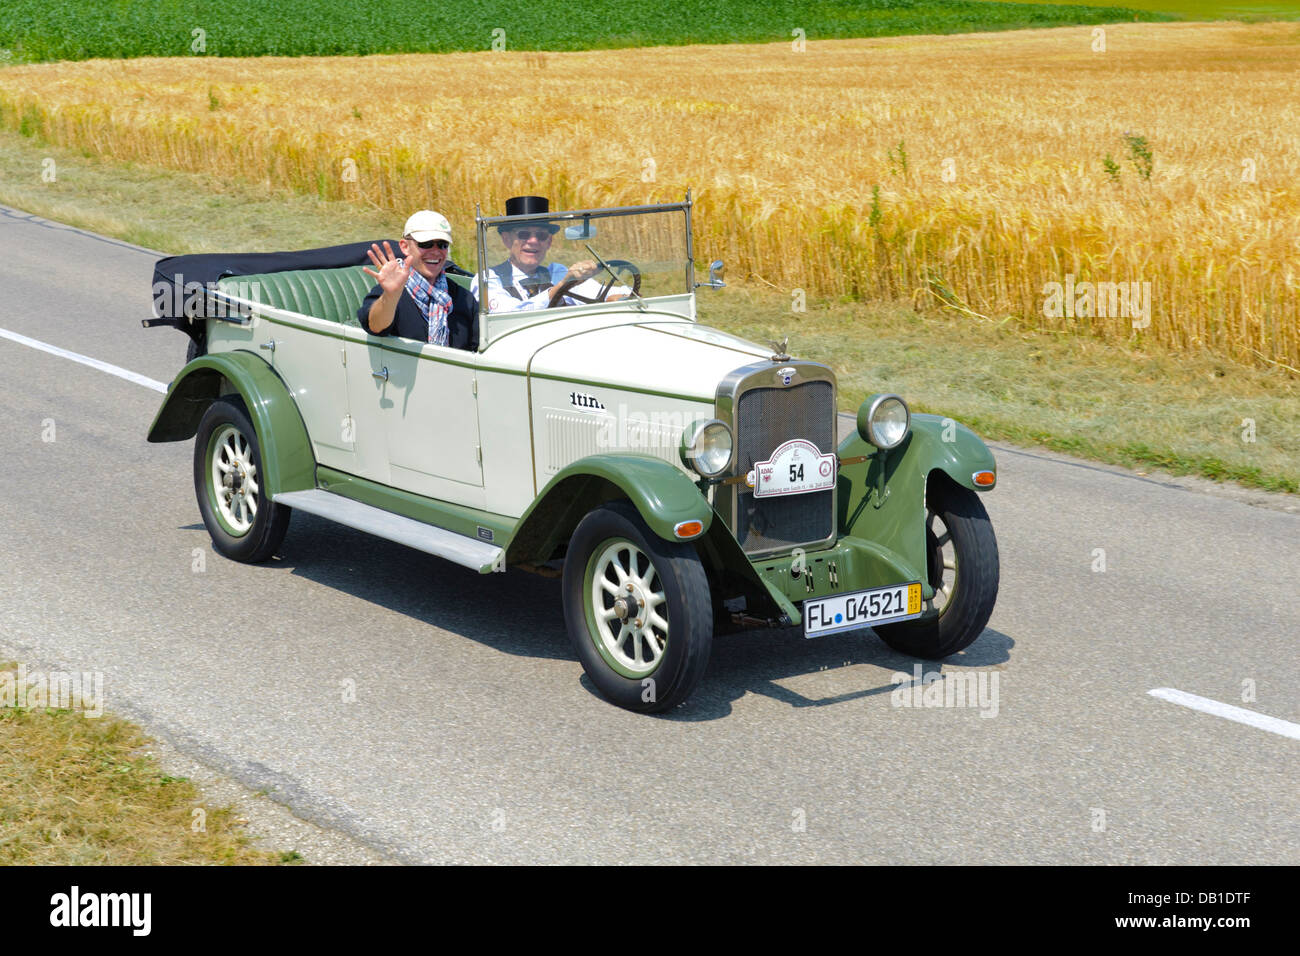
(845, 612)
(795, 468)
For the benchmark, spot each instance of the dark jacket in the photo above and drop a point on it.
(410, 323)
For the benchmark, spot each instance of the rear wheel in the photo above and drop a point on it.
(244, 523)
(637, 610)
(962, 559)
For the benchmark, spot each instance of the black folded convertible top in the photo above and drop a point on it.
(176, 278)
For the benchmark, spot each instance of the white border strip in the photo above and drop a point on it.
(1228, 712)
(85, 360)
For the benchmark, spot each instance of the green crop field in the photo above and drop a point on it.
(1209, 9)
(43, 30)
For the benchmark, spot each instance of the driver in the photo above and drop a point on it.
(525, 280)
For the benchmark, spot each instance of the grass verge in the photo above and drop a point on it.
(1187, 413)
(80, 790)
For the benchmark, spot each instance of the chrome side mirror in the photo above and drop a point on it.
(715, 276)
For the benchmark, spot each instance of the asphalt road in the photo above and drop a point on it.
(474, 735)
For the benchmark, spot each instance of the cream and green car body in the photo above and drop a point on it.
(494, 459)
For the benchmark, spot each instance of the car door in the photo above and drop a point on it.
(309, 355)
(416, 417)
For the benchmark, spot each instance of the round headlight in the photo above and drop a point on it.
(883, 420)
(706, 447)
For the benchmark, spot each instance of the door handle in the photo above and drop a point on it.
(269, 346)
(381, 375)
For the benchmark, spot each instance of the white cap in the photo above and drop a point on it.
(427, 224)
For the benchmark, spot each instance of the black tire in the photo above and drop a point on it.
(244, 523)
(631, 674)
(973, 590)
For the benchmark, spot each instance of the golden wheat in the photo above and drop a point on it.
(961, 171)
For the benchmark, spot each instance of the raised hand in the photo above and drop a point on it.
(393, 270)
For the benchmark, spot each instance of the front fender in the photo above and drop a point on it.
(952, 448)
(882, 499)
(934, 443)
(288, 462)
(662, 494)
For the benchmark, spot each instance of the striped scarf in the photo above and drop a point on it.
(434, 301)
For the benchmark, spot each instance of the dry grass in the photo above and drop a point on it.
(795, 158)
(78, 790)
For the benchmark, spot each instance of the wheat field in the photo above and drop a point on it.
(962, 172)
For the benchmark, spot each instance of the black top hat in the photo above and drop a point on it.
(528, 206)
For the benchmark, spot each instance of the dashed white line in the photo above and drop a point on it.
(1228, 712)
(85, 360)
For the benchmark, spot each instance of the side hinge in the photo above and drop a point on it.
(478, 453)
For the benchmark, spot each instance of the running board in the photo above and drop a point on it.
(467, 552)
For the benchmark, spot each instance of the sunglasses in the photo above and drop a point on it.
(523, 235)
(440, 243)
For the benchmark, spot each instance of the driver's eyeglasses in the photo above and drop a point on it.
(523, 235)
(440, 243)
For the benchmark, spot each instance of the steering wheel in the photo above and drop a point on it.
(565, 288)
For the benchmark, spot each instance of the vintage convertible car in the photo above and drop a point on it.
(687, 479)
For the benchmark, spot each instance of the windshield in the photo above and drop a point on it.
(530, 267)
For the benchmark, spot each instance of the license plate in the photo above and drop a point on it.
(795, 468)
(846, 612)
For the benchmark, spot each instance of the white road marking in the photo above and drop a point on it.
(1240, 714)
(85, 360)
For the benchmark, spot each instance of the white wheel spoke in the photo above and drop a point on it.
(950, 563)
(222, 466)
(250, 484)
(630, 644)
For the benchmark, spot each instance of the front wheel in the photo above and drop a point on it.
(637, 610)
(962, 558)
(229, 482)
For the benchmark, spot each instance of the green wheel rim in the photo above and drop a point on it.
(625, 604)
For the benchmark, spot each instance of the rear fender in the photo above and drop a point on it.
(288, 462)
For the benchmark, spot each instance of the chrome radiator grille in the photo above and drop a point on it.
(764, 418)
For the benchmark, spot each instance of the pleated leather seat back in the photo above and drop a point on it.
(331, 294)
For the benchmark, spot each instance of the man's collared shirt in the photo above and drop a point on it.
(500, 299)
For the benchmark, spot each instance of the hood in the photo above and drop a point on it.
(678, 358)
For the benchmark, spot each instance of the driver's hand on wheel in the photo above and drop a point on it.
(580, 270)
